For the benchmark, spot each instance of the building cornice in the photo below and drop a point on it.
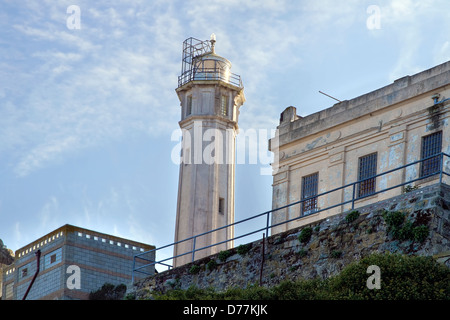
(401, 90)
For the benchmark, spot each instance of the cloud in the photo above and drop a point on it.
(112, 78)
(407, 20)
(41, 154)
(49, 214)
(442, 53)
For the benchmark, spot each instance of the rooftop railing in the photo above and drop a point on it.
(439, 174)
(204, 74)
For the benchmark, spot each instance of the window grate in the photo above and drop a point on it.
(431, 145)
(309, 189)
(224, 106)
(367, 168)
(189, 106)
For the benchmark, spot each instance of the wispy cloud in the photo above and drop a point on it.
(407, 20)
(104, 81)
(442, 52)
(49, 214)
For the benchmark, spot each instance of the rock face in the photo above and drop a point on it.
(324, 248)
(6, 255)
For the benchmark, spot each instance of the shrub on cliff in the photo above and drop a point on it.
(402, 278)
(305, 235)
(109, 292)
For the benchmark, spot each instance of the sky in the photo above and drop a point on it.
(88, 107)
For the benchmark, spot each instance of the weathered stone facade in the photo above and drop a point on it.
(334, 243)
(389, 123)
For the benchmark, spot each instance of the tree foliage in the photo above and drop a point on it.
(109, 292)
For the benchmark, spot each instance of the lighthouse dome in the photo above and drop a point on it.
(211, 66)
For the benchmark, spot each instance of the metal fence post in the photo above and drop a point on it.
(353, 196)
(193, 249)
(134, 268)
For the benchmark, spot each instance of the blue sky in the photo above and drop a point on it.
(87, 114)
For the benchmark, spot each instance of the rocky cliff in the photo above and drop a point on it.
(6, 255)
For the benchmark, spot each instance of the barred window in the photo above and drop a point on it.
(189, 106)
(431, 145)
(224, 106)
(309, 189)
(367, 169)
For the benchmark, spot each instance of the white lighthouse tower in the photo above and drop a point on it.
(210, 98)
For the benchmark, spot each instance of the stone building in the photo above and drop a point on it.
(210, 97)
(352, 146)
(72, 263)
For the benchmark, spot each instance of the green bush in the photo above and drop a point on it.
(243, 249)
(223, 255)
(394, 220)
(402, 278)
(420, 233)
(109, 292)
(405, 229)
(194, 269)
(211, 265)
(352, 216)
(305, 235)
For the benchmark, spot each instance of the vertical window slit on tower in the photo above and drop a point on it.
(221, 206)
(189, 106)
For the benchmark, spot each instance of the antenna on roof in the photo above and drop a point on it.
(329, 96)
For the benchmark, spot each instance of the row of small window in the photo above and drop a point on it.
(223, 106)
(119, 244)
(41, 244)
(367, 168)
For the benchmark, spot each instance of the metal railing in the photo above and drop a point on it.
(354, 185)
(204, 74)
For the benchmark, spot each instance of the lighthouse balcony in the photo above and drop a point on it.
(210, 74)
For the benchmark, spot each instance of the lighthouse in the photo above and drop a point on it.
(210, 97)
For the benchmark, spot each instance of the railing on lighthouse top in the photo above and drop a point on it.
(201, 63)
